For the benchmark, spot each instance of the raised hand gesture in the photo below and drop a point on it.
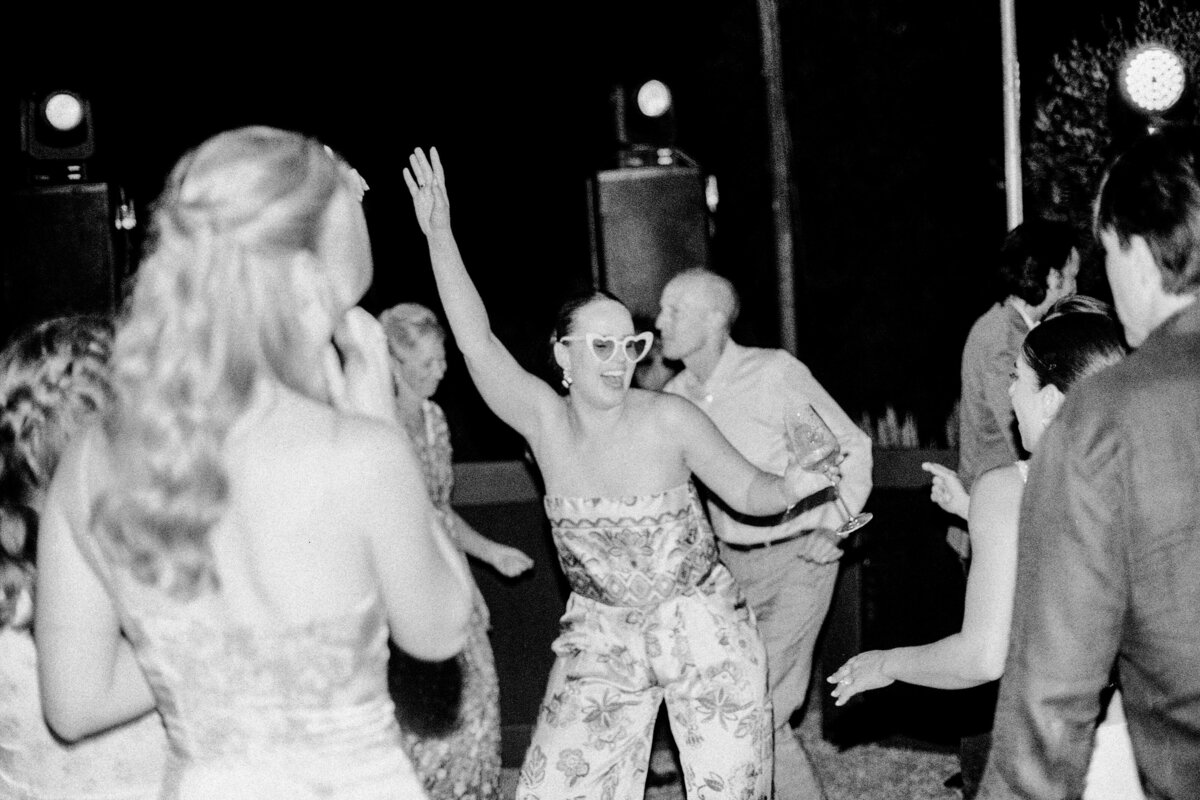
(360, 382)
(947, 489)
(426, 183)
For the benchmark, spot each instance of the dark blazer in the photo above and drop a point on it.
(1109, 572)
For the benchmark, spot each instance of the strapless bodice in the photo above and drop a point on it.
(633, 551)
(304, 704)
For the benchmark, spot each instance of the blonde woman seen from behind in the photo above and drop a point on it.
(251, 513)
(53, 383)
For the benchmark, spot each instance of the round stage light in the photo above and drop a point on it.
(654, 98)
(1152, 78)
(64, 111)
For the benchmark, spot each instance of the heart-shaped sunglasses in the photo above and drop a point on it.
(603, 347)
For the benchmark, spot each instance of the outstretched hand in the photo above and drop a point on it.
(426, 181)
(801, 483)
(947, 490)
(861, 673)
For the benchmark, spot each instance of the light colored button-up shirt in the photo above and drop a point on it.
(747, 396)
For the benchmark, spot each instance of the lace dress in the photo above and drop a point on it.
(465, 765)
(653, 617)
(296, 712)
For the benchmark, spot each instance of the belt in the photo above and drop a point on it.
(745, 548)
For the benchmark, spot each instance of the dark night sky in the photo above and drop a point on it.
(896, 115)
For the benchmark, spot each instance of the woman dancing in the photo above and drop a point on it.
(53, 384)
(465, 764)
(652, 616)
(250, 513)
(1077, 337)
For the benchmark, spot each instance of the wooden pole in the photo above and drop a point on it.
(1013, 184)
(780, 150)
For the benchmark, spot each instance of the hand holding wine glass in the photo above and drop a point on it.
(813, 446)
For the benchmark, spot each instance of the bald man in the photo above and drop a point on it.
(786, 566)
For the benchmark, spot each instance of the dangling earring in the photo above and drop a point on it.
(567, 380)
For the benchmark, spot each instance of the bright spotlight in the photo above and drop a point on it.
(1152, 79)
(63, 111)
(654, 98)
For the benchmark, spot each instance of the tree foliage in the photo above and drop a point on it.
(1077, 121)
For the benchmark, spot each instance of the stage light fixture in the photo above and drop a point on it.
(63, 111)
(57, 136)
(57, 126)
(1152, 79)
(654, 98)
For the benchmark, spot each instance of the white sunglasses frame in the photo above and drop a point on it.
(621, 344)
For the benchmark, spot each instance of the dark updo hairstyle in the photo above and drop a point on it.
(564, 321)
(53, 382)
(1079, 336)
(1030, 251)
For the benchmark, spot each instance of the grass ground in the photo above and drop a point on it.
(861, 772)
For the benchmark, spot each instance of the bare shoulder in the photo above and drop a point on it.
(666, 407)
(83, 472)
(312, 443)
(366, 446)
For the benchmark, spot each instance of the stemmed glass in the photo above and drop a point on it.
(816, 449)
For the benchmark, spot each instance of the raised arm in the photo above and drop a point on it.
(421, 576)
(725, 471)
(975, 654)
(517, 397)
(89, 678)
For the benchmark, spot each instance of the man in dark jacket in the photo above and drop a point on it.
(1109, 555)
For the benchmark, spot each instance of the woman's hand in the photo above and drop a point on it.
(800, 483)
(361, 381)
(509, 561)
(947, 490)
(427, 184)
(861, 673)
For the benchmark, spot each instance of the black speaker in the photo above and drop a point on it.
(62, 255)
(646, 224)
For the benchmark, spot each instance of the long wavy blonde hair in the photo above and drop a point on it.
(214, 307)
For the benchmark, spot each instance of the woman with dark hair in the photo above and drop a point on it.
(250, 513)
(53, 383)
(463, 763)
(1076, 338)
(653, 615)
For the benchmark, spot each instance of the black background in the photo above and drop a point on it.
(895, 110)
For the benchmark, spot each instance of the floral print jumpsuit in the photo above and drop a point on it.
(653, 616)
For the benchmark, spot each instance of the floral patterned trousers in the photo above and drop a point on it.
(700, 652)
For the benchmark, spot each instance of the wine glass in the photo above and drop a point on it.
(816, 449)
